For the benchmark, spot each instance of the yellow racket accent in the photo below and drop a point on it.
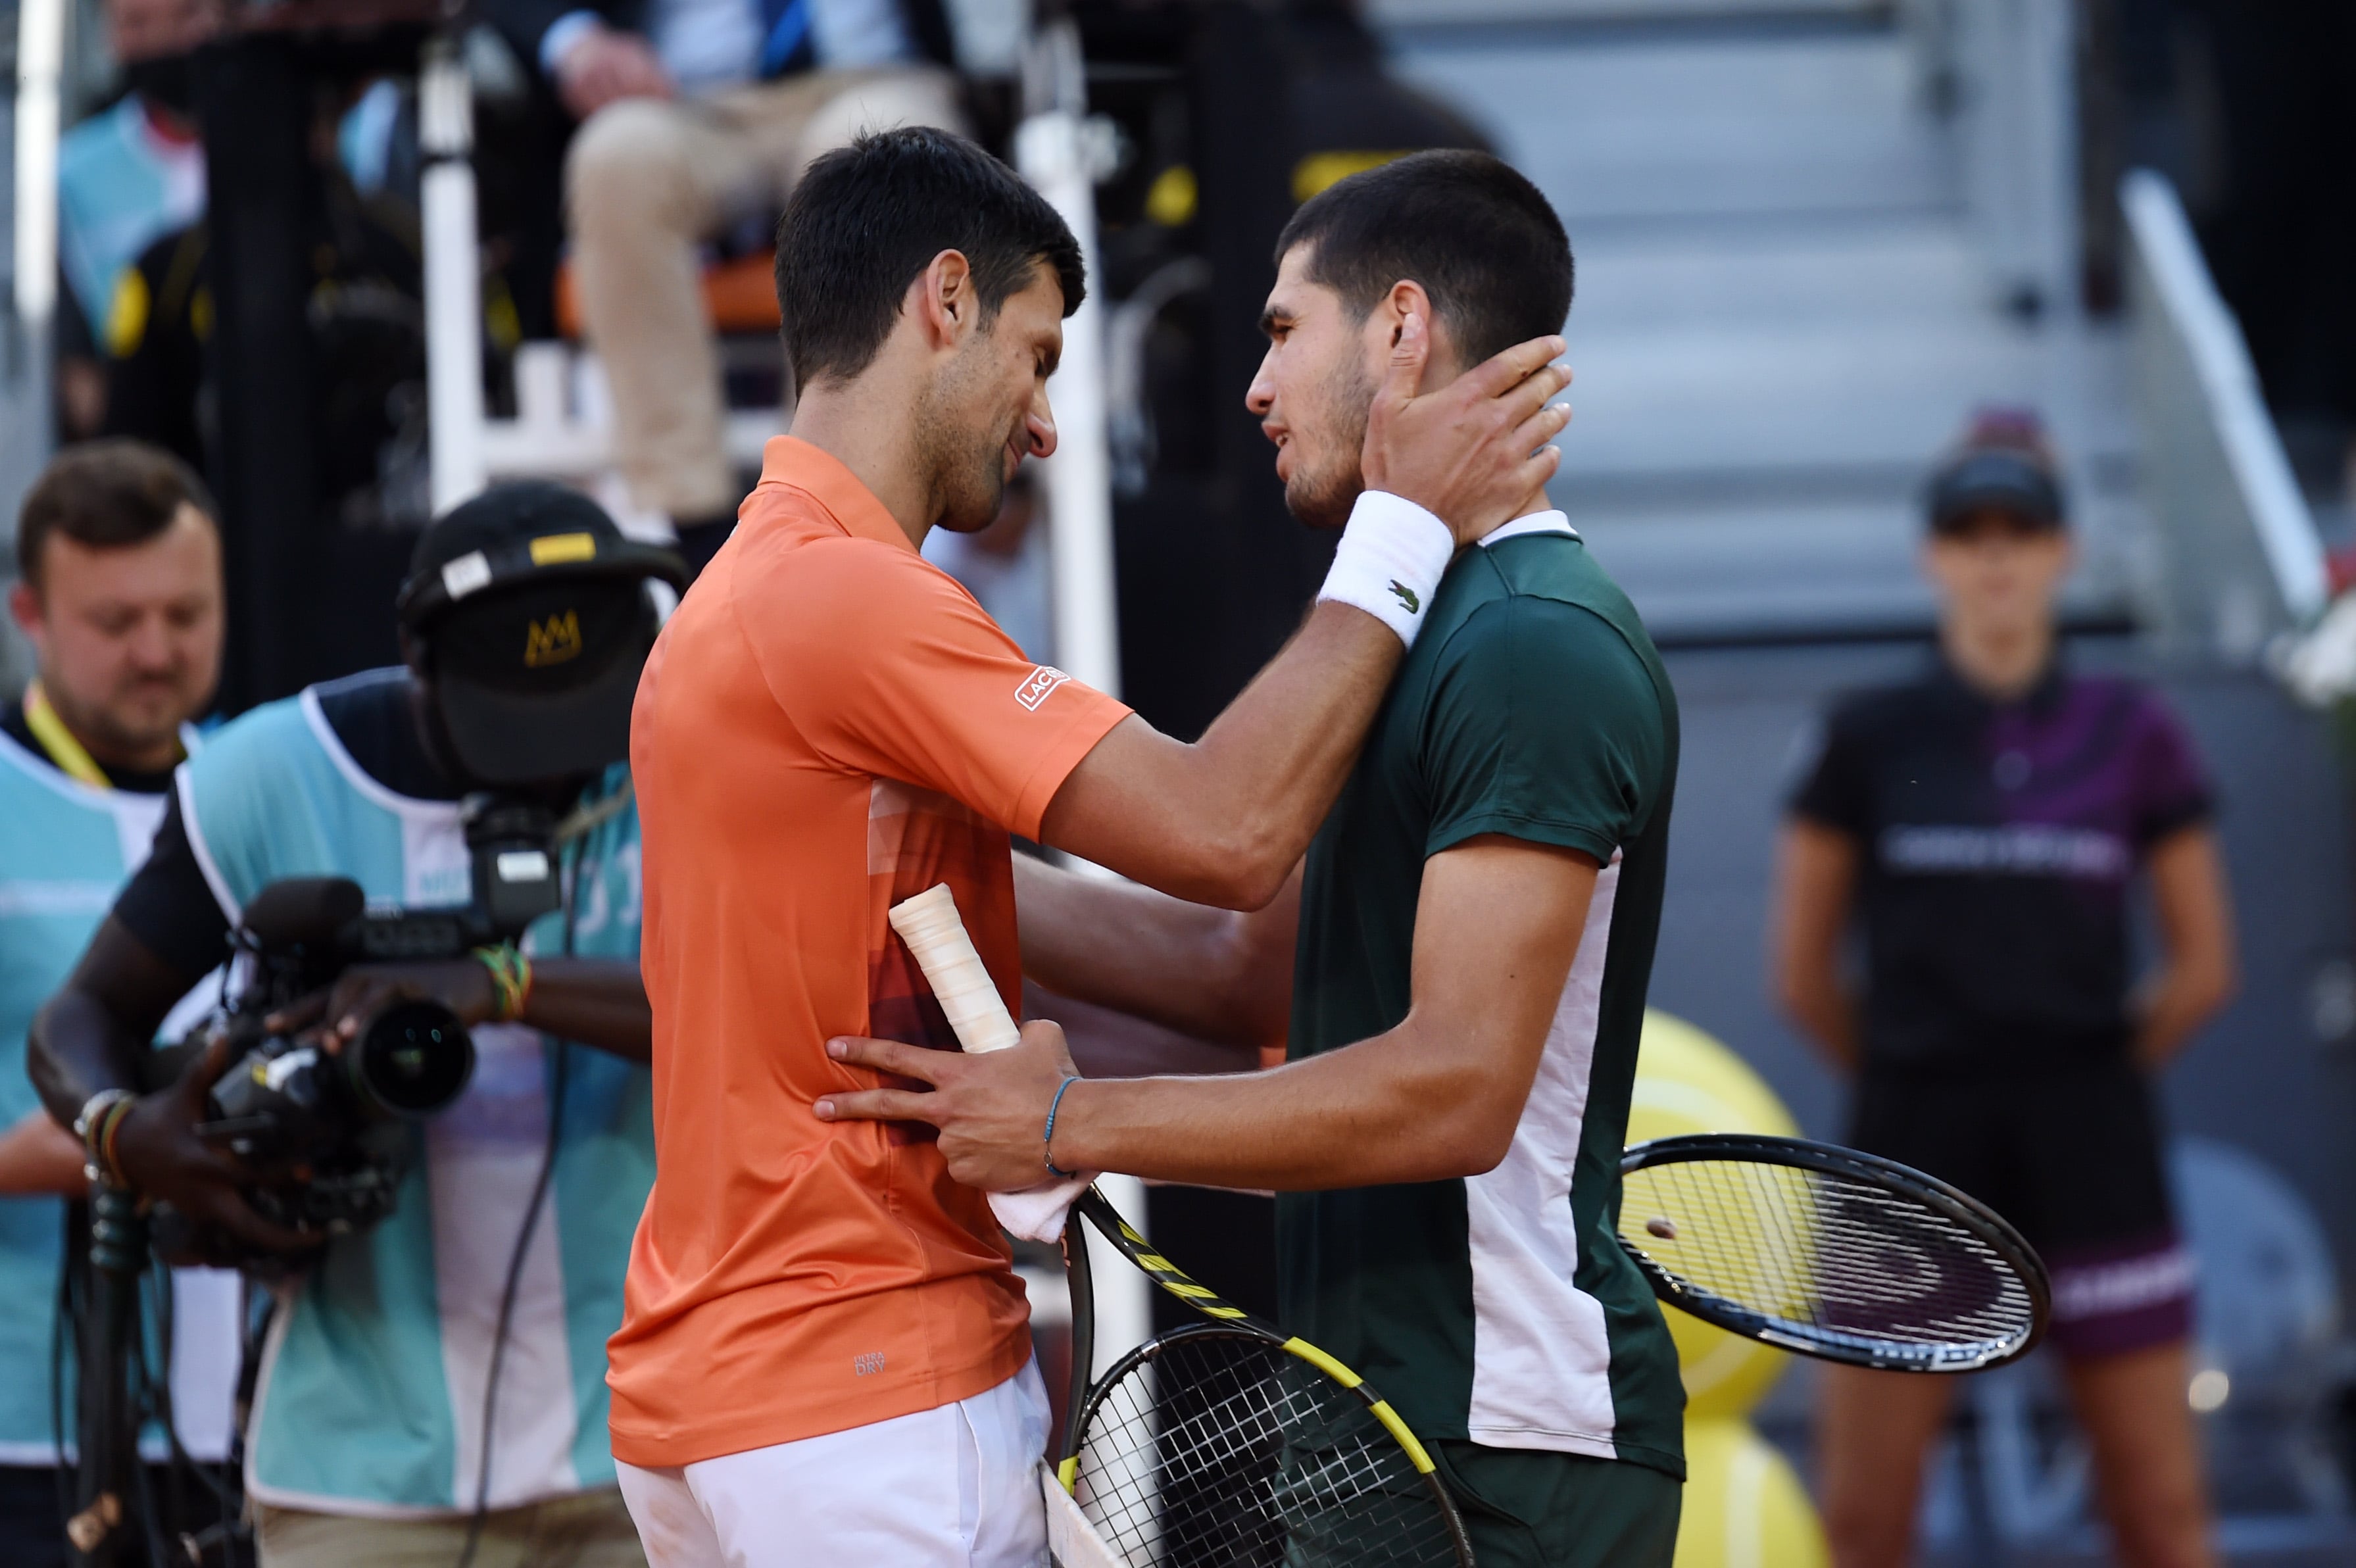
(1067, 1474)
(1324, 1363)
(1173, 1279)
(1382, 1408)
(1398, 1428)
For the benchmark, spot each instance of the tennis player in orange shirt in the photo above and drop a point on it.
(824, 1356)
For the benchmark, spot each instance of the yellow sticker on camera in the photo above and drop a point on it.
(556, 549)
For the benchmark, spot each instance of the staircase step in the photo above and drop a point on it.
(1660, 124)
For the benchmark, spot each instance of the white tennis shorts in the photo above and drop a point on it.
(950, 1487)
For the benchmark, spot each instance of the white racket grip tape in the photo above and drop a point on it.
(1072, 1541)
(929, 923)
(935, 933)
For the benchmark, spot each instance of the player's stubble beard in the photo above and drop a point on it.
(1327, 481)
(965, 458)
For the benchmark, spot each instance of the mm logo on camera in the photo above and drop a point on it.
(1043, 679)
(553, 640)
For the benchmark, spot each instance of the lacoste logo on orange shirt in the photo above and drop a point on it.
(1042, 678)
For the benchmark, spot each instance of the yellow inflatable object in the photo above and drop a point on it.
(1744, 1507)
(1688, 1082)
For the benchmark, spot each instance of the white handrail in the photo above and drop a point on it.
(1051, 149)
(453, 280)
(1053, 152)
(40, 70)
(2230, 391)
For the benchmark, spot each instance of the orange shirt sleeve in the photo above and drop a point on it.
(887, 666)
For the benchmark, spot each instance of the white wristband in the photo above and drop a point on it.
(1390, 561)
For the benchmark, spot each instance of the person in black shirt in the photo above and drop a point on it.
(1982, 828)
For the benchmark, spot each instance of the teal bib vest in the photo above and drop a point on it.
(371, 1394)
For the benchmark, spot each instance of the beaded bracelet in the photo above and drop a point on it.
(1047, 1139)
(116, 1115)
(95, 1126)
(510, 974)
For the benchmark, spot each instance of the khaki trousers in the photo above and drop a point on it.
(589, 1530)
(646, 180)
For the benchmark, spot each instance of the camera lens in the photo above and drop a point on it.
(413, 1060)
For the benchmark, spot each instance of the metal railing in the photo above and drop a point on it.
(2239, 558)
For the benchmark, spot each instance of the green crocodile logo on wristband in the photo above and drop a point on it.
(1406, 597)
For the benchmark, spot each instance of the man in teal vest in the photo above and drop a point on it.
(432, 1385)
(118, 591)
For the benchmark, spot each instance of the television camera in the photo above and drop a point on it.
(332, 1127)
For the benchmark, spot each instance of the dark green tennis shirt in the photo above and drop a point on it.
(1499, 1307)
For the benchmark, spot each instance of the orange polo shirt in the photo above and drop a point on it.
(829, 724)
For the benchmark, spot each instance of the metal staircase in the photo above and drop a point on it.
(1811, 238)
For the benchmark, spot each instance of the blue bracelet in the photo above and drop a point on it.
(1047, 1139)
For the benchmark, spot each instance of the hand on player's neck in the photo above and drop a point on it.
(1443, 367)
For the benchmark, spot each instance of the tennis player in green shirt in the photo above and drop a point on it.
(1475, 927)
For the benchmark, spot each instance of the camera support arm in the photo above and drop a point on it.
(95, 1035)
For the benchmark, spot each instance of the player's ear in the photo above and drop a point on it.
(1385, 322)
(25, 608)
(946, 304)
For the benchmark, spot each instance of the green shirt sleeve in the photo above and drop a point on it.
(1543, 725)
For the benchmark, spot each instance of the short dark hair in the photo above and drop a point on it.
(108, 495)
(1477, 235)
(869, 218)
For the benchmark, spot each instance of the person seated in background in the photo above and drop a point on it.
(118, 591)
(125, 176)
(1981, 827)
(696, 114)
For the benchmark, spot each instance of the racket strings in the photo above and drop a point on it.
(1228, 1453)
(1821, 1251)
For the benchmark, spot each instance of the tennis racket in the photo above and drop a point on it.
(1229, 1442)
(1224, 1441)
(1831, 1253)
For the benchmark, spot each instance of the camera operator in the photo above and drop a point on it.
(434, 1384)
(119, 590)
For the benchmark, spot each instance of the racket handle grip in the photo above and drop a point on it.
(929, 924)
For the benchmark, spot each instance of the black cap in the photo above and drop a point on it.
(2002, 465)
(531, 611)
(2008, 482)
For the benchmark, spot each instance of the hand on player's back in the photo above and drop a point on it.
(991, 1110)
(1472, 452)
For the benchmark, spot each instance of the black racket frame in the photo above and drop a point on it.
(1832, 1345)
(1225, 1320)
